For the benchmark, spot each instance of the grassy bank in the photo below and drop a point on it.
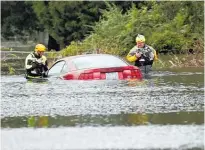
(179, 61)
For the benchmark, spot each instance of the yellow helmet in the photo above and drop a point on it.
(40, 48)
(140, 38)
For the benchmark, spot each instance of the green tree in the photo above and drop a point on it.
(179, 27)
(166, 25)
(68, 21)
(17, 18)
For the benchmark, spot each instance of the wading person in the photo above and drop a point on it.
(36, 63)
(143, 55)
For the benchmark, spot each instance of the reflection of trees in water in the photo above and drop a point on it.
(185, 79)
(152, 81)
(133, 119)
(137, 119)
(120, 119)
(41, 121)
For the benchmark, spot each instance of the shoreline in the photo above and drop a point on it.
(13, 63)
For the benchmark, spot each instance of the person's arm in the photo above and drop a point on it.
(44, 62)
(132, 56)
(30, 62)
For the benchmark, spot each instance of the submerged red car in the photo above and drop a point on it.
(94, 67)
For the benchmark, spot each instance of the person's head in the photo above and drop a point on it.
(40, 49)
(140, 41)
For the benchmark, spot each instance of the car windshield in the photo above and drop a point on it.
(101, 61)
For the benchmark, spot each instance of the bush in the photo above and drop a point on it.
(164, 29)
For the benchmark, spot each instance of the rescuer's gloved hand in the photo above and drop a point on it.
(45, 74)
(39, 61)
(138, 55)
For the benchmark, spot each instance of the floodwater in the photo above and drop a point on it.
(164, 111)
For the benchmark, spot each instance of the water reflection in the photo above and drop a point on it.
(179, 118)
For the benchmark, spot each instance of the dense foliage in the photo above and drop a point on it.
(110, 27)
(166, 25)
(18, 18)
(67, 20)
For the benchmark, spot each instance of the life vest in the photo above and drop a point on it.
(33, 68)
(147, 56)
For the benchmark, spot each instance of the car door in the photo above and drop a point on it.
(58, 68)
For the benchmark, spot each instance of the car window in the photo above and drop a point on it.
(101, 61)
(65, 68)
(57, 68)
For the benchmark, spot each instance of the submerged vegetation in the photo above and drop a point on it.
(176, 61)
(7, 66)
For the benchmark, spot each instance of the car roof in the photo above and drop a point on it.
(84, 55)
